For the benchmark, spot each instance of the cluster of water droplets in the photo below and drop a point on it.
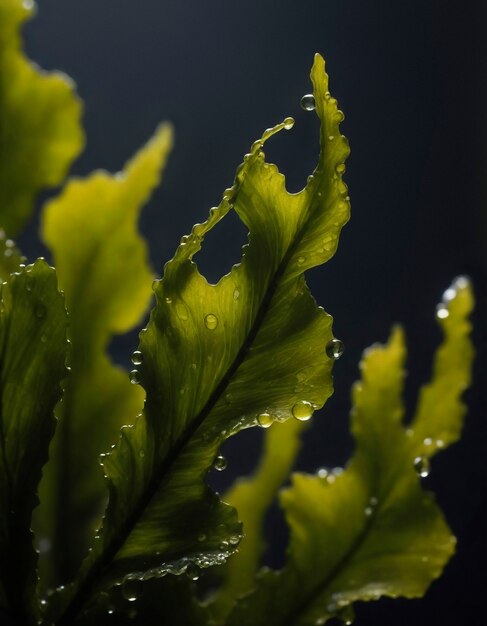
(443, 308)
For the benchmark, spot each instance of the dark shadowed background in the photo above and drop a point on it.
(411, 78)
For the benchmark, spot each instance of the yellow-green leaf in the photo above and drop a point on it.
(371, 530)
(102, 261)
(33, 324)
(40, 132)
(217, 356)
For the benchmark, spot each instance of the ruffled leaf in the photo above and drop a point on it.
(372, 530)
(33, 324)
(40, 132)
(216, 356)
(102, 261)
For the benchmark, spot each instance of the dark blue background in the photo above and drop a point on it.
(412, 80)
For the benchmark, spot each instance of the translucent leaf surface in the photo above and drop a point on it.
(40, 132)
(252, 497)
(33, 324)
(372, 530)
(214, 357)
(102, 261)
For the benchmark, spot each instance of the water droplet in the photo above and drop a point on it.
(422, 466)
(302, 410)
(339, 116)
(43, 338)
(331, 137)
(265, 420)
(137, 357)
(168, 300)
(428, 441)
(134, 377)
(335, 348)
(142, 453)
(341, 168)
(234, 540)
(192, 571)
(308, 102)
(129, 590)
(288, 123)
(228, 398)
(236, 294)
(201, 537)
(449, 294)
(440, 443)
(442, 311)
(374, 501)
(368, 511)
(322, 473)
(220, 463)
(211, 321)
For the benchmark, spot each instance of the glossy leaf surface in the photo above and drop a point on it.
(33, 324)
(372, 530)
(102, 261)
(40, 132)
(214, 357)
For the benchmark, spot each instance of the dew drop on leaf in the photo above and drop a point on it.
(308, 102)
(335, 348)
(211, 321)
(192, 571)
(129, 590)
(134, 377)
(442, 311)
(422, 466)
(303, 410)
(220, 463)
(264, 420)
(288, 123)
(236, 294)
(137, 357)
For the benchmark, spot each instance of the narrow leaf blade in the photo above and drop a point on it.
(33, 324)
(107, 279)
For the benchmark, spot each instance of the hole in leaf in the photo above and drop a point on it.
(222, 248)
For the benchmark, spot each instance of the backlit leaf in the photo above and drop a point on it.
(372, 530)
(102, 261)
(214, 358)
(33, 324)
(40, 132)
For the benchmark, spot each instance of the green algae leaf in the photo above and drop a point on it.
(33, 323)
(252, 497)
(372, 530)
(102, 262)
(214, 357)
(10, 257)
(40, 132)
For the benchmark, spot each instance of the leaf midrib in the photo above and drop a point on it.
(107, 557)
